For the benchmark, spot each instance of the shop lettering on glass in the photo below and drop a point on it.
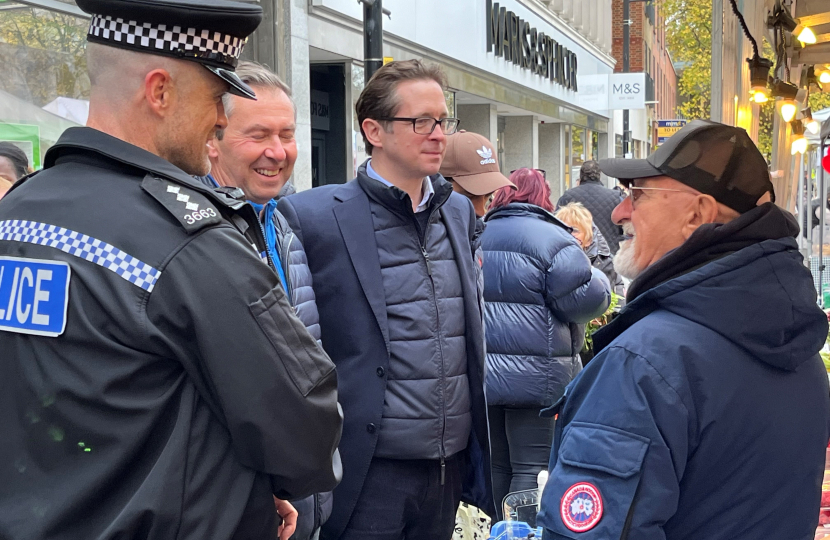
(513, 39)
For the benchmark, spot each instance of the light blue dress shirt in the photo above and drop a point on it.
(426, 190)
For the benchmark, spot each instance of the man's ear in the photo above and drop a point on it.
(213, 153)
(373, 129)
(159, 92)
(703, 210)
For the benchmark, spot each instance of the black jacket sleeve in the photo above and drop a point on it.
(222, 313)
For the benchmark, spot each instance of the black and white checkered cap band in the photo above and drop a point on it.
(185, 42)
(85, 247)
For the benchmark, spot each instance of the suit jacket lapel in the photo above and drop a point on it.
(354, 217)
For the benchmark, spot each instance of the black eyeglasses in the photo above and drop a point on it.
(542, 171)
(426, 125)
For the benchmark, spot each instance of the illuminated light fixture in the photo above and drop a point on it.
(810, 124)
(759, 96)
(788, 110)
(758, 76)
(799, 145)
(804, 35)
(789, 93)
(824, 77)
(781, 17)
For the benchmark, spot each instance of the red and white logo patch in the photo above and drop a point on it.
(581, 507)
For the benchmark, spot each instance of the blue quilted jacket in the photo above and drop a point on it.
(539, 291)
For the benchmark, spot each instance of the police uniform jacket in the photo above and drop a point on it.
(154, 381)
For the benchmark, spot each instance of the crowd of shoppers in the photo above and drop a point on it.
(193, 350)
(539, 291)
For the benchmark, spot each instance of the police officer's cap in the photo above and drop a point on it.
(210, 32)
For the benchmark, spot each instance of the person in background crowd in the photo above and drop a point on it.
(579, 219)
(471, 165)
(539, 291)
(598, 199)
(256, 153)
(14, 165)
(706, 410)
(155, 382)
(391, 254)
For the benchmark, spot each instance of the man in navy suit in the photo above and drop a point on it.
(391, 254)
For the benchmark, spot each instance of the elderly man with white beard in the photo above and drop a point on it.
(706, 411)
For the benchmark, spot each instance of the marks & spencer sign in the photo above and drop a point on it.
(513, 39)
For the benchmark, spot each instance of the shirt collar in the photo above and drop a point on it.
(427, 191)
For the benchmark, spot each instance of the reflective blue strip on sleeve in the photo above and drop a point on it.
(82, 246)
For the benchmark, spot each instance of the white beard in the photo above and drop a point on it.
(624, 262)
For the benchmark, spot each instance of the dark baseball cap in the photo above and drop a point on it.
(712, 158)
(209, 32)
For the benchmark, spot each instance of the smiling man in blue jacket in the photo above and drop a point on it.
(705, 412)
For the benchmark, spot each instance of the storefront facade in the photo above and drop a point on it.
(515, 71)
(521, 72)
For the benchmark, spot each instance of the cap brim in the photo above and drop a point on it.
(626, 170)
(237, 87)
(483, 183)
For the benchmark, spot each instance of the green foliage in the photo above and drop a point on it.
(819, 100)
(599, 322)
(767, 112)
(689, 39)
(43, 55)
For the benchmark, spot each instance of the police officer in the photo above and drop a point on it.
(154, 381)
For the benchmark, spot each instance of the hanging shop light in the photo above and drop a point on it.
(804, 34)
(781, 17)
(799, 145)
(823, 75)
(759, 76)
(788, 92)
(810, 123)
(788, 110)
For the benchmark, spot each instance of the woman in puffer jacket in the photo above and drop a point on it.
(581, 222)
(539, 291)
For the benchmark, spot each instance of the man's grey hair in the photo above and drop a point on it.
(260, 78)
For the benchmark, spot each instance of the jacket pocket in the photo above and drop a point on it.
(304, 360)
(592, 488)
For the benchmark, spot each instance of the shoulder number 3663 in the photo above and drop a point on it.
(193, 217)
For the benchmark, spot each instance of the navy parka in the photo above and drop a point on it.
(705, 415)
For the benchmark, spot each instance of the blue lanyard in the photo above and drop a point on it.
(270, 233)
(271, 236)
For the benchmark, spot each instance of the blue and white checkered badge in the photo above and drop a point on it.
(34, 295)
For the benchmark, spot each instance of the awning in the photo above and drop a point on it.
(816, 15)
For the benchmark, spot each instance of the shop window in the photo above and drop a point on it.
(44, 88)
(449, 97)
(594, 146)
(567, 161)
(578, 152)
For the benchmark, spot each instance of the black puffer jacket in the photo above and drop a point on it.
(294, 264)
(600, 201)
(539, 291)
